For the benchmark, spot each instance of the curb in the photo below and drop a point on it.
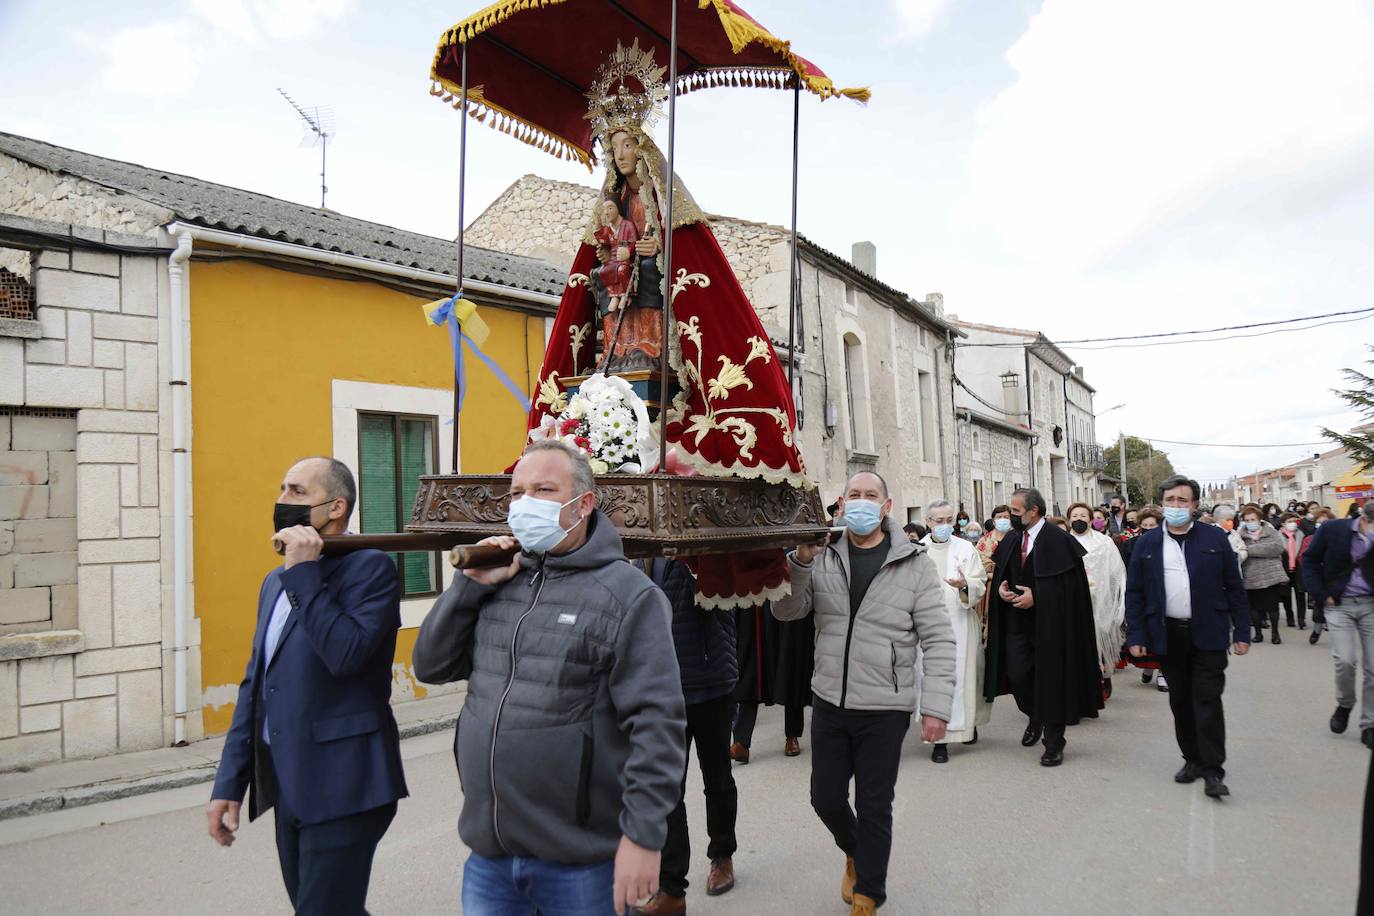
(94, 794)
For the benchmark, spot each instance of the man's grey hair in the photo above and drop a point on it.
(881, 482)
(940, 503)
(337, 481)
(1032, 499)
(1222, 512)
(584, 481)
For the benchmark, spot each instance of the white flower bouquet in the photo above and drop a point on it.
(608, 421)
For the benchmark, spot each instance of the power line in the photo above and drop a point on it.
(1234, 327)
(1227, 444)
(1171, 343)
(988, 404)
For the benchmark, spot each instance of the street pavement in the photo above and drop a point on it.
(989, 832)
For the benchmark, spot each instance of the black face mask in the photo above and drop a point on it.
(287, 515)
(1132, 525)
(1079, 526)
(1018, 523)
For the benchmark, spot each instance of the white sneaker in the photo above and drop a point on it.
(1160, 684)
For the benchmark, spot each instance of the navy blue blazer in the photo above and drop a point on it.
(326, 694)
(1221, 612)
(1326, 565)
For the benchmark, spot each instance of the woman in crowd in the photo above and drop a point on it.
(1060, 521)
(1147, 518)
(1292, 596)
(1224, 517)
(972, 532)
(1001, 524)
(1099, 519)
(1265, 579)
(1106, 584)
(1320, 516)
(1271, 515)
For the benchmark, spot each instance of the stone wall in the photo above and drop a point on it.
(89, 678)
(38, 193)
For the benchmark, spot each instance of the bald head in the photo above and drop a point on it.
(866, 485)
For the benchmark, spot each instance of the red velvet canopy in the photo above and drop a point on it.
(531, 61)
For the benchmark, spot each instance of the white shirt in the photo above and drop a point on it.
(1029, 536)
(275, 624)
(1178, 596)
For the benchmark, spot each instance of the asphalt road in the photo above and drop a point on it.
(989, 832)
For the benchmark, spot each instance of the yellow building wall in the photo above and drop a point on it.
(266, 345)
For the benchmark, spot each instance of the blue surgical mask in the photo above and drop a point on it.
(1177, 516)
(941, 533)
(1251, 526)
(1002, 524)
(534, 522)
(862, 516)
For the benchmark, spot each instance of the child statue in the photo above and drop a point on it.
(617, 235)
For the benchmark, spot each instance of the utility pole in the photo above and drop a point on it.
(1121, 454)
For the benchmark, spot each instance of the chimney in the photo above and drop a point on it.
(1078, 371)
(936, 302)
(865, 257)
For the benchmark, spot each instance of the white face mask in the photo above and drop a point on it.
(535, 523)
(1290, 526)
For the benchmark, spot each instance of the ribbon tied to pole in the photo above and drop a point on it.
(465, 326)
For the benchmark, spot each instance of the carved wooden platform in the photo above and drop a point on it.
(656, 514)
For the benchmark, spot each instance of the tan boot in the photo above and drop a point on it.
(863, 906)
(847, 883)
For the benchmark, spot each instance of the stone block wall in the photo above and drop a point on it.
(84, 614)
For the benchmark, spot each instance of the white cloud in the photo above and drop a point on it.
(152, 60)
(919, 17)
(1128, 119)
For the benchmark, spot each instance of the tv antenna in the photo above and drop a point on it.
(319, 122)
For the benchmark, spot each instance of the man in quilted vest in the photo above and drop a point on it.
(875, 596)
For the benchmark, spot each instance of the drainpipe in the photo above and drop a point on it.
(1030, 418)
(178, 284)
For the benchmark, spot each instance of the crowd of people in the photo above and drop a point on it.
(590, 679)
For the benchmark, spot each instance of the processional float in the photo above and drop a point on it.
(657, 364)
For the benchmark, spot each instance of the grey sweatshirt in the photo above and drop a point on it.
(573, 731)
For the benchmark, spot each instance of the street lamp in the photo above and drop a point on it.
(1120, 449)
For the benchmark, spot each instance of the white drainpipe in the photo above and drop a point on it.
(179, 285)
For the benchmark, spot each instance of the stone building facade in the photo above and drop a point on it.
(83, 485)
(872, 389)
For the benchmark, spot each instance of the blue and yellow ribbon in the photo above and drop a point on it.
(465, 326)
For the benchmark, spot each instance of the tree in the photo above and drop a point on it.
(1359, 442)
(1146, 469)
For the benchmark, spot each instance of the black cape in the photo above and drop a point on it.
(775, 658)
(1068, 682)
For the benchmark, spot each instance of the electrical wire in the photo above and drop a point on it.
(1170, 343)
(1016, 413)
(1235, 327)
(1228, 444)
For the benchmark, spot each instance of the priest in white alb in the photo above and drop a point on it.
(1107, 584)
(963, 581)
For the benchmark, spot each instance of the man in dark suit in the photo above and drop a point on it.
(1185, 602)
(1042, 641)
(313, 733)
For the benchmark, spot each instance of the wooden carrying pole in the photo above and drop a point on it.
(664, 344)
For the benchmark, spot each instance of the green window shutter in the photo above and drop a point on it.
(377, 474)
(417, 458)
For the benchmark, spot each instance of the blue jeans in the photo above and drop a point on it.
(522, 887)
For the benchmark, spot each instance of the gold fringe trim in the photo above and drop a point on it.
(479, 108)
(743, 31)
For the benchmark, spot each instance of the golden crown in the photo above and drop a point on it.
(628, 91)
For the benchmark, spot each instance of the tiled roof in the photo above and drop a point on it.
(218, 206)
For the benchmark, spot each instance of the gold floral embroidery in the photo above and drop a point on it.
(731, 375)
(578, 335)
(552, 395)
(576, 280)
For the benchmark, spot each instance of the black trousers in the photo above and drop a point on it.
(327, 866)
(867, 748)
(794, 721)
(1294, 598)
(1196, 680)
(709, 724)
(1264, 608)
(1020, 668)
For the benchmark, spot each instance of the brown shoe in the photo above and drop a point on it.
(791, 748)
(863, 906)
(847, 882)
(721, 877)
(661, 904)
(739, 753)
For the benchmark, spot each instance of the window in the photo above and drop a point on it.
(977, 443)
(999, 493)
(978, 501)
(393, 451)
(856, 394)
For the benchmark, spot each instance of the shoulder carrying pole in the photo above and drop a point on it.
(665, 344)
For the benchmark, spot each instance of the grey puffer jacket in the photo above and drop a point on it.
(868, 661)
(1263, 564)
(573, 730)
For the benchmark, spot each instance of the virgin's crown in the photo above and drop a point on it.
(628, 91)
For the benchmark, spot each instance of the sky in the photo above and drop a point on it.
(1087, 168)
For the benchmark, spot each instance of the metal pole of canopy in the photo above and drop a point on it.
(663, 385)
(792, 297)
(462, 195)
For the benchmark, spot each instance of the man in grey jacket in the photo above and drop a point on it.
(570, 746)
(875, 595)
